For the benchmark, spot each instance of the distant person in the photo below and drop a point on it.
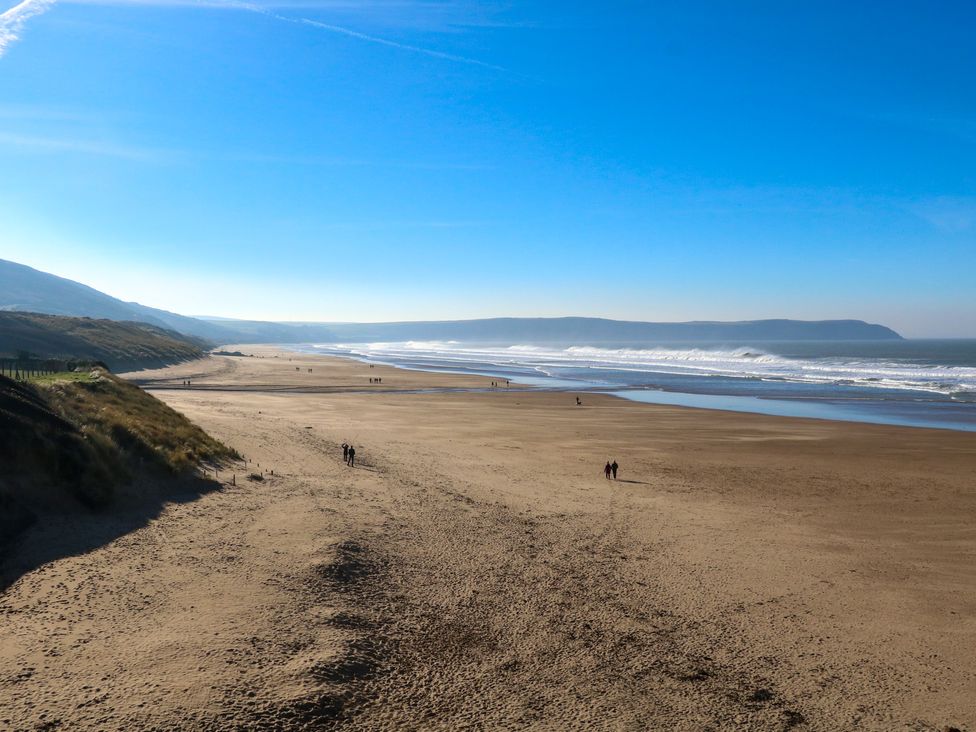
(613, 467)
(345, 452)
(352, 457)
(607, 469)
(578, 402)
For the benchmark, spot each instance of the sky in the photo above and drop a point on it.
(372, 160)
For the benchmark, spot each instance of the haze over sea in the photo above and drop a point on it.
(922, 383)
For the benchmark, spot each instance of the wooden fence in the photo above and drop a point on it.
(22, 368)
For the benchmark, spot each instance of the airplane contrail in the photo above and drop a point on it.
(394, 44)
(363, 36)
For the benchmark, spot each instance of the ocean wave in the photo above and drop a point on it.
(741, 362)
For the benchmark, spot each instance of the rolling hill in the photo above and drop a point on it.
(119, 345)
(593, 331)
(23, 288)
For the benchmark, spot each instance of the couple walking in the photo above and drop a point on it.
(611, 468)
(349, 455)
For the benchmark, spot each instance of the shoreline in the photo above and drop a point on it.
(830, 409)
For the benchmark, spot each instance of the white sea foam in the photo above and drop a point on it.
(744, 362)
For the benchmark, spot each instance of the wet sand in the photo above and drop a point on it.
(476, 570)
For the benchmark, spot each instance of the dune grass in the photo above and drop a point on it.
(136, 422)
(59, 377)
(85, 434)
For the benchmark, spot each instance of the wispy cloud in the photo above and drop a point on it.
(951, 214)
(45, 113)
(12, 21)
(959, 128)
(439, 16)
(34, 143)
(339, 162)
(380, 225)
(41, 144)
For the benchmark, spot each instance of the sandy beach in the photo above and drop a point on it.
(476, 571)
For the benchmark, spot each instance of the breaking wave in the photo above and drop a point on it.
(628, 364)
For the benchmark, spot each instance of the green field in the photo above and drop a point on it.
(57, 376)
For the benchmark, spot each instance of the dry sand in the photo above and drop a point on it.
(476, 571)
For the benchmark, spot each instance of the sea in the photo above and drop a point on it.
(919, 383)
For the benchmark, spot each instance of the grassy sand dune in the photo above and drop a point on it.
(80, 442)
(476, 570)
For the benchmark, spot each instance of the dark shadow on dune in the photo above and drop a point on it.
(87, 458)
(54, 535)
(636, 482)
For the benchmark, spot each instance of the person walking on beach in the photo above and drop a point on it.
(607, 470)
(345, 452)
(352, 457)
(613, 467)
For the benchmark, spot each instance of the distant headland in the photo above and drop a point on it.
(29, 290)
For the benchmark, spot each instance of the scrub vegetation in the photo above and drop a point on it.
(72, 442)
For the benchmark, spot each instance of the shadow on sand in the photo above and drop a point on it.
(637, 482)
(54, 535)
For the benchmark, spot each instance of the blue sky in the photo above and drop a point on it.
(388, 160)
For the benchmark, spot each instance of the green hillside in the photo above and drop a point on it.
(120, 345)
